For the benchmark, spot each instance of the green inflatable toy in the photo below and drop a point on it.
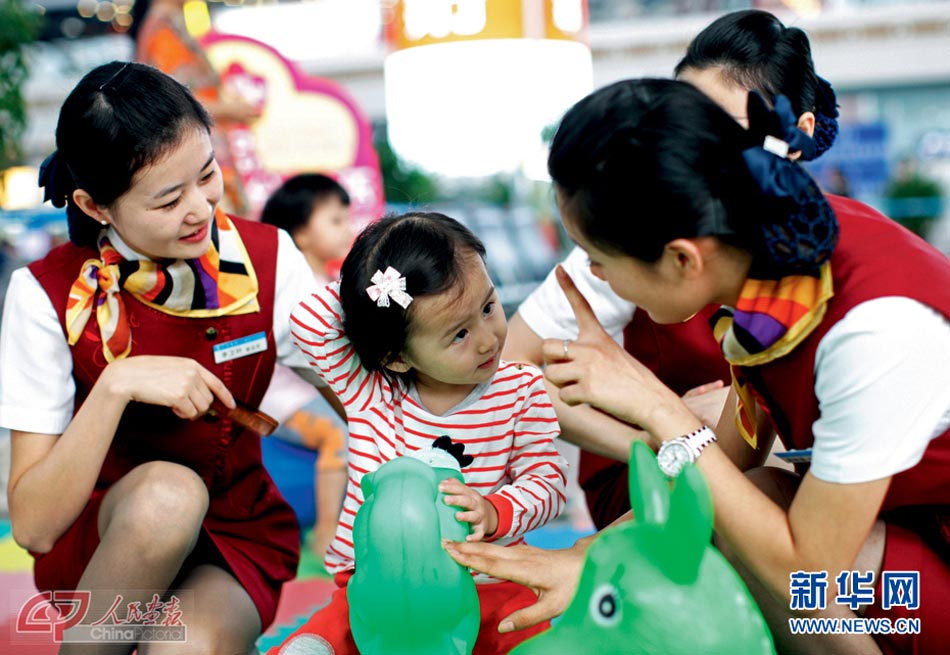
(407, 596)
(655, 585)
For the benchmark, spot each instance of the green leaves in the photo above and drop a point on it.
(19, 25)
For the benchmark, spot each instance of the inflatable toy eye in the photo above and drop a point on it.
(605, 606)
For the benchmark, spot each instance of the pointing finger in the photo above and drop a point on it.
(586, 319)
(217, 387)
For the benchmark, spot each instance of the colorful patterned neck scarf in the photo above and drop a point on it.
(220, 282)
(770, 319)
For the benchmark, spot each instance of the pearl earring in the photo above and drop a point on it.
(104, 222)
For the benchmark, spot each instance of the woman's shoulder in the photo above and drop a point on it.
(849, 211)
(247, 225)
(258, 238)
(29, 309)
(66, 258)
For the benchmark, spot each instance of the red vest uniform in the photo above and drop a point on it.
(682, 356)
(250, 525)
(875, 258)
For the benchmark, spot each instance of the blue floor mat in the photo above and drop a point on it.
(292, 469)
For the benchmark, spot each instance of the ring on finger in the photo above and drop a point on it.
(566, 344)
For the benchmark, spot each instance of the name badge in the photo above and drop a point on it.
(252, 343)
(795, 456)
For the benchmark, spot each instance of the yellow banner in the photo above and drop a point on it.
(410, 23)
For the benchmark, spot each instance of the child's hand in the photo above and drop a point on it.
(481, 513)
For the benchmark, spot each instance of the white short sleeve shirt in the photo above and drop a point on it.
(548, 313)
(882, 379)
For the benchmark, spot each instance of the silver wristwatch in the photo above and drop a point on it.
(676, 453)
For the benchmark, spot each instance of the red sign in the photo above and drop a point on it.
(307, 124)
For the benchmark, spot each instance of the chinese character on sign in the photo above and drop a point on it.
(807, 589)
(900, 589)
(861, 589)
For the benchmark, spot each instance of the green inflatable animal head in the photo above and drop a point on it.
(407, 596)
(655, 585)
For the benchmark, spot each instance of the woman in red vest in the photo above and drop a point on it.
(836, 323)
(114, 346)
(737, 53)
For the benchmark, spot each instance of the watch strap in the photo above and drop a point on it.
(697, 440)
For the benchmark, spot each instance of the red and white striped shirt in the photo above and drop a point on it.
(507, 424)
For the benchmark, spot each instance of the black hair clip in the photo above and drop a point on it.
(113, 76)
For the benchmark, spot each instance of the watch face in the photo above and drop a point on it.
(673, 456)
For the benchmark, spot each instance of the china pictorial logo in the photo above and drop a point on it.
(66, 614)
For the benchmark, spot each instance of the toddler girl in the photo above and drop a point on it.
(410, 339)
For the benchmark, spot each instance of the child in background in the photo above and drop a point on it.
(410, 339)
(314, 210)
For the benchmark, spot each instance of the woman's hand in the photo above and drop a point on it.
(706, 401)
(552, 574)
(180, 383)
(44, 499)
(595, 370)
(480, 513)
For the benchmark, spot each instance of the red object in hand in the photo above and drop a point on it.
(244, 415)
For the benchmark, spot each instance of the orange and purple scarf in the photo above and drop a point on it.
(770, 319)
(220, 282)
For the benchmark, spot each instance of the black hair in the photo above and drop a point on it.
(640, 163)
(290, 206)
(427, 249)
(120, 118)
(756, 51)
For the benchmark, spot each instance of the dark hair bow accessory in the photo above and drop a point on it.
(456, 450)
(51, 180)
(803, 234)
(780, 122)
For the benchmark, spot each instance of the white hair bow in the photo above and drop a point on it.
(389, 285)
